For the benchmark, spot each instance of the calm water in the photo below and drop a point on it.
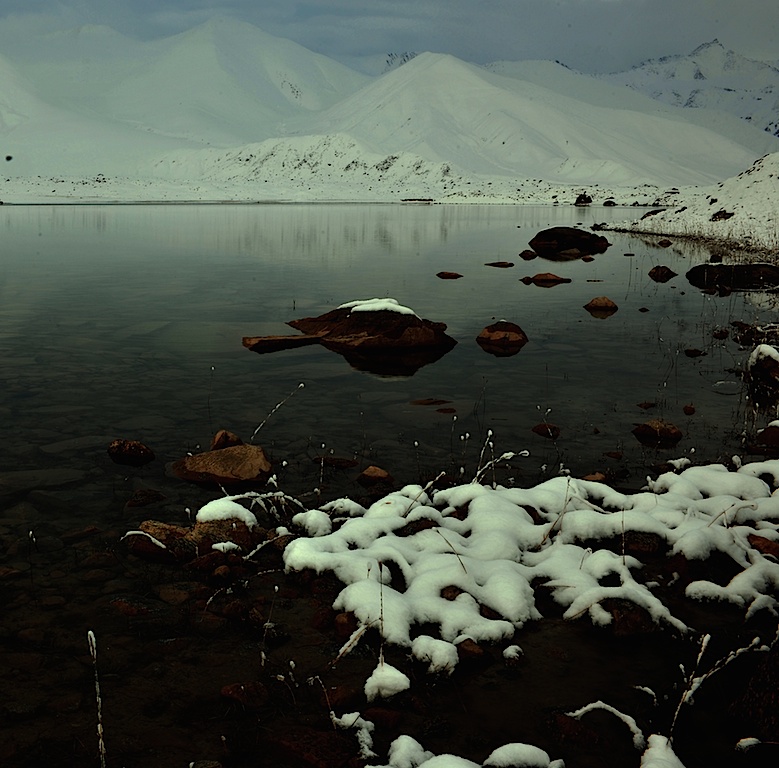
(127, 321)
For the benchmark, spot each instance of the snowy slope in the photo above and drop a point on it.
(600, 92)
(224, 82)
(711, 77)
(44, 140)
(742, 211)
(442, 108)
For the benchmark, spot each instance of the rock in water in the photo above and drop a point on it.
(502, 339)
(377, 335)
(567, 243)
(226, 466)
(130, 453)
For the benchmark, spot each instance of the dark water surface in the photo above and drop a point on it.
(126, 321)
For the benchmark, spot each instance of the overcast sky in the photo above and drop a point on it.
(588, 35)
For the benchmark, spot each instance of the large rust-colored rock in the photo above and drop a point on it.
(226, 466)
(502, 339)
(378, 329)
(568, 243)
(385, 339)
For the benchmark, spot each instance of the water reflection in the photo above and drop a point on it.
(128, 321)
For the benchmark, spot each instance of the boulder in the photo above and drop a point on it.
(583, 199)
(225, 466)
(502, 339)
(601, 307)
(377, 335)
(661, 274)
(563, 243)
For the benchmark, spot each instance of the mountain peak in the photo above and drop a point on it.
(712, 44)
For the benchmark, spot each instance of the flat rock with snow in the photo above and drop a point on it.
(378, 335)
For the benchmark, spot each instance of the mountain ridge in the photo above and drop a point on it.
(93, 101)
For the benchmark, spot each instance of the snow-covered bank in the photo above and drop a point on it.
(741, 212)
(433, 571)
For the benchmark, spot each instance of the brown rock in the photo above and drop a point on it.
(374, 475)
(692, 352)
(601, 307)
(345, 625)
(225, 439)
(502, 339)
(528, 255)
(664, 243)
(468, 650)
(449, 275)
(545, 280)
(657, 433)
(140, 545)
(661, 274)
(263, 344)
(226, 466)
(689, 409)
(500, 264)
(373, 329)
(130, 453)
(763, 545)
(205, 534)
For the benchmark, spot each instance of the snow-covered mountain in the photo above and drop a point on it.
(711, 77)
(229, 106)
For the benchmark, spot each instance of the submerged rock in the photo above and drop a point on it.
(657, 433)
(130, 453)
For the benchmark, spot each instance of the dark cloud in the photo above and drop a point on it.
(590, 35)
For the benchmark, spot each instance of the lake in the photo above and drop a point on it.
(128, 321)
